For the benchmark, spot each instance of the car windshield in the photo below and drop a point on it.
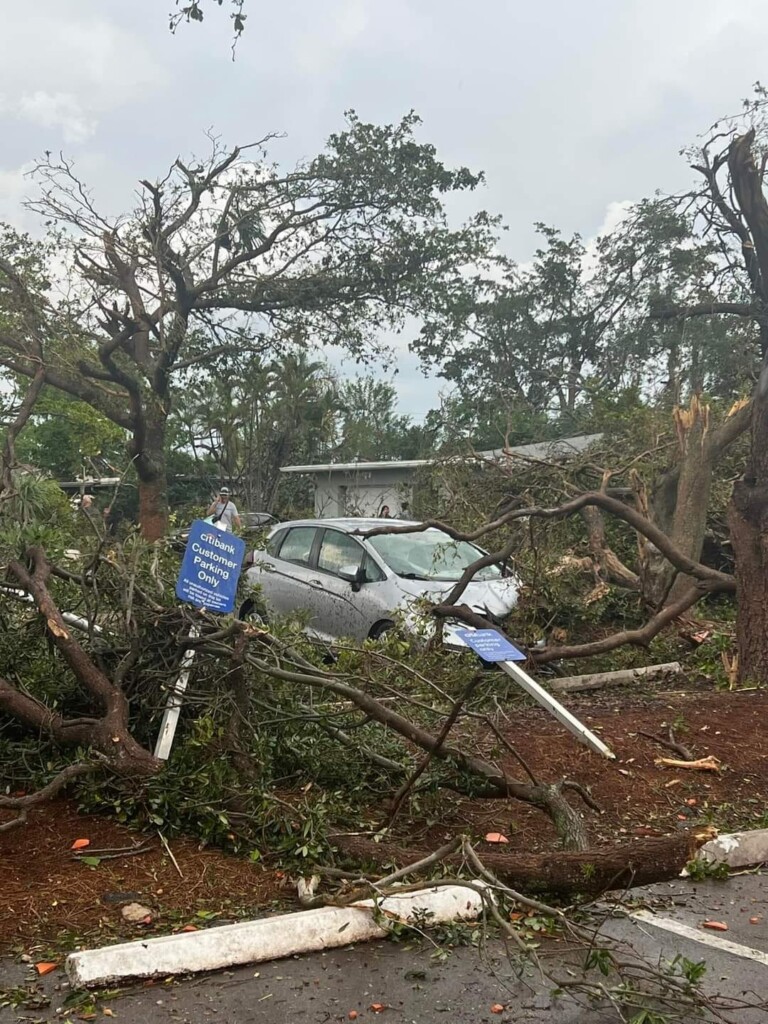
(431, 555)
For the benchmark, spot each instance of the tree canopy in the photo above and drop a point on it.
(224, 253)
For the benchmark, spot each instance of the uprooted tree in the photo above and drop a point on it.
(225, 255)
(273, 696)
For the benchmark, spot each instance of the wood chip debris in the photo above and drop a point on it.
(703, 764)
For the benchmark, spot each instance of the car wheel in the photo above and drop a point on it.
(378, 631)
(251, 611)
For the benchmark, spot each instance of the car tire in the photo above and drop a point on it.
(378, 631)
(253, 612)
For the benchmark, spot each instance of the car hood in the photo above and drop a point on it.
(495, 598)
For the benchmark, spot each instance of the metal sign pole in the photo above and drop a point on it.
(571, 723)
(173, 706)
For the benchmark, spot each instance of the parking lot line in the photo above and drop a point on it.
(704, 938)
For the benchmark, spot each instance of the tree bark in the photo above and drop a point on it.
(622, 677)
(148, 451)
(748, 525)
(681, 500)
(640, 862)
(748, 512)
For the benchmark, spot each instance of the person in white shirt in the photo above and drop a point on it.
(224, 510)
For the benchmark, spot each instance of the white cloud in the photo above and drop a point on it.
(13, 188)
(65, 66)
(615, 214)
(57, 110)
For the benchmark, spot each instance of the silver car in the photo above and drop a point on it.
(347, 585)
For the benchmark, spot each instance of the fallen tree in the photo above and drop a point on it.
(590, 872)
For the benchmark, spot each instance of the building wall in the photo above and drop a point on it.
(362, 493)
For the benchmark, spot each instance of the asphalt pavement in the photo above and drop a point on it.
(403, 984)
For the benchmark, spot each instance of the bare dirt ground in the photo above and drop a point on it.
(49, 902)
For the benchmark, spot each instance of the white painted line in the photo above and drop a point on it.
(711, 939)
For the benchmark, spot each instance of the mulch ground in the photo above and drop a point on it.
(46, 897)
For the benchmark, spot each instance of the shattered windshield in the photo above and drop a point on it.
(431, 555)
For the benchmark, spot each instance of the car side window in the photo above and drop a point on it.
(297, 546)
(273, 544)
(338, 550)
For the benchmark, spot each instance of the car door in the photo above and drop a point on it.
(288, 583)
(338, 609)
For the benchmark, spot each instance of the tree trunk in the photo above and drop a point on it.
(109, 732)
(148, 450)
(680, 504)
(639, 862)
(748, 524)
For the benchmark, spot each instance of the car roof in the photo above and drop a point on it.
(348, 525)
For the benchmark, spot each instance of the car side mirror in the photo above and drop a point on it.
(353, 574)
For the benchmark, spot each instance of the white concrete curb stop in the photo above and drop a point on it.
(737, 849)
(269, 938)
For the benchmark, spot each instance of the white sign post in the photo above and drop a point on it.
(207, 579)
(563, 715)
(173, 705)
(494, 647)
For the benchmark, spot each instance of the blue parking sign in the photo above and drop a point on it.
(489, 644)
(211, 568)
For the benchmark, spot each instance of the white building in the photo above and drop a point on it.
(363, 488)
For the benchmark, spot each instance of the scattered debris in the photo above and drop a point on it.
(496, 837)
(715, 926)
(597, 680)
(135, 913)
(704, 764)
(80, 844)
(175, 863)
(671, 744)
(45, 968)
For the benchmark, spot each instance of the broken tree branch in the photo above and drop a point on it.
(621, 677)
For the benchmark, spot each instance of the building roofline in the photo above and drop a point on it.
(336, 467)
(538, 449)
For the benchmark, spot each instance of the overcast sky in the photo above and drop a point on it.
(570, 108)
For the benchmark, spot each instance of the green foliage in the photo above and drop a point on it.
(701, 870)
(357, 242)
(67, 437)
(370, 427)
(253, 416)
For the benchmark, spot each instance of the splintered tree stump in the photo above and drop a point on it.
(639, 861)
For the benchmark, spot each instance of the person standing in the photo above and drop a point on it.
(91, 513)
(224, 510)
